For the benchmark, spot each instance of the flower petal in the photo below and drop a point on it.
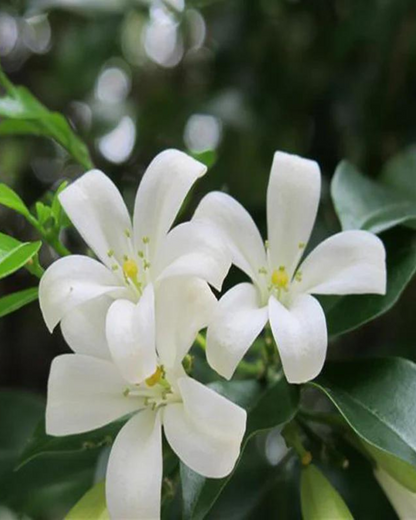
(135, 469)
(84, 328)
(97, 210)
(131, 336)
(207, 407)
(71, 281)
(292, 204)
(206, 430)
(301, 337)
(193, 249)
(402, 499)
(85, 393)
(161, 193)
(237, 322)
(183, 308)
(351, 262)
(238, 229)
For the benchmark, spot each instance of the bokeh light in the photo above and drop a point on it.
(117, 145)
(202, 132)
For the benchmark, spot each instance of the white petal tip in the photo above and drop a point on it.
(182, 159)
(291, 160)
(224, 367)
(50, 321)
(299, 375)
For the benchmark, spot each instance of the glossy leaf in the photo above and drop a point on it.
(51, 483)
(41, 444)
(263, 413)
(346, 313)
(11, 199)
(92, 505)
(19, 414)
(319, 498)
(18, 257)
(362, 203)
(400, 470)
(7, 243)
(377, 399)
(17, 300)
(23, 114)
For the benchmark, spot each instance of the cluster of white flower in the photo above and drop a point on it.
(131, 316)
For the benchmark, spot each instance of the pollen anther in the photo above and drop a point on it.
(130, 269)
(280, 279)
(155, 378)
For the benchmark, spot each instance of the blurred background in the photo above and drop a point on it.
(230, 81)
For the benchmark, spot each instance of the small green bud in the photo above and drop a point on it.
(319, 498)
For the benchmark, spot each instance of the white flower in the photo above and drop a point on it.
(352, 262)
(402, 499)
(134, 257)
(203, 428)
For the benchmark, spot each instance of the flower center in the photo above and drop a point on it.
(155, 378)
(131, 274)
(280, 278)
(130, 269)
(155, 391)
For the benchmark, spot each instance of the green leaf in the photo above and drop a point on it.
(57, 209)
(23, 114)
(208, 157)
(377, 399)
(362, 203)
(18, 257)
(42, 444)
(19, 414)
(399, 173)
(266, 409)
(319, 498)
(7, 243)
(92, 505)
(346, 313)
(400, 470)
(49, 486)
(11, 199)
(17, 300)
(43, 213)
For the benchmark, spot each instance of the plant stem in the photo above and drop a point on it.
(201, 341)
(53, 241)
(34, 267)
(56, 244)
(291, 434)
(336, 457)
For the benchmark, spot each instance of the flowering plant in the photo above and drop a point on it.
(171, 380)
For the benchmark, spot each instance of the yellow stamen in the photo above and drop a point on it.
(130, 269)
(155, 378)
(298, 276)
(280, 278)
